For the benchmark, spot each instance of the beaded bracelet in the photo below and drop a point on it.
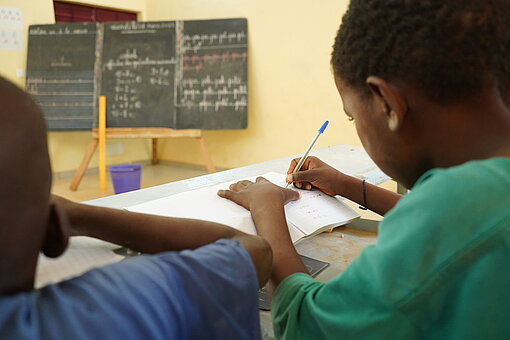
(363, 196)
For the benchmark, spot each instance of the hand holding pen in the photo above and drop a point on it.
(305, 155)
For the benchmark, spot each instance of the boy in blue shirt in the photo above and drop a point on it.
(209, 292)
(427, 84)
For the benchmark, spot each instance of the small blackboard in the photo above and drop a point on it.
(61, 74)
(174, 74)
(213, 88)
(138, 74)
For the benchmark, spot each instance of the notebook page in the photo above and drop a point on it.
(305, 216)
(201, 204)
(316, 211)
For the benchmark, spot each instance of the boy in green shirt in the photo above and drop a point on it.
(427, 84)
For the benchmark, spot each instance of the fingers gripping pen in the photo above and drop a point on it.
(302, 160)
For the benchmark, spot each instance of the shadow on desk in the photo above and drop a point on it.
(364, 224)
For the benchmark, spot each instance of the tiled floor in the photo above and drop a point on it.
(151, 175)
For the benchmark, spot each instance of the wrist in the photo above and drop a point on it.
(74, 212)
(269, 217)
(351, 188)
(267, 202)
(342, 183)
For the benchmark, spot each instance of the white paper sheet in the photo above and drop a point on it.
(11, 29)
(313, 212)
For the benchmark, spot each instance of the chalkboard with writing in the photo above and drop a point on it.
(175, 74)
(213, 90)
(138, 73)
(61, 74)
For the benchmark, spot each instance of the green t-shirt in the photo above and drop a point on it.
(440, 268)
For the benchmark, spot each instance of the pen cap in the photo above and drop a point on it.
(323, 127)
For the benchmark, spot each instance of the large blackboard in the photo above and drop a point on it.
(177, 74)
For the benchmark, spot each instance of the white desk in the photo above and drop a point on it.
(348, 159)
(330, 247)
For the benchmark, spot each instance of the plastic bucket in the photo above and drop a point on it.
(126, 177)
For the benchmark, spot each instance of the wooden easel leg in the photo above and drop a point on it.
(84, 164)
(102, 143)
(155, 159)
(207, 156)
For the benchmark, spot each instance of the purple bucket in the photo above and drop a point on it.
(125, 177)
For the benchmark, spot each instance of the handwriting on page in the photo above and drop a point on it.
(316, 208)
(307, 206)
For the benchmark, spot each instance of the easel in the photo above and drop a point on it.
(100, 135)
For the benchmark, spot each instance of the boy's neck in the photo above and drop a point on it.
(18, 263)
(476, 129)
(17, 280)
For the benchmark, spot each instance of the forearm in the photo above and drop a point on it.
(153, 234)
(269, 218)
(377, 199)
(145, 233)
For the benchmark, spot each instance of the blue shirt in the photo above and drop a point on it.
(208, 293)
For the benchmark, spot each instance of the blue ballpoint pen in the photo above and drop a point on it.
(302, 160)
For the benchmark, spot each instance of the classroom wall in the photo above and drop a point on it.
(291, 89)
(67, 148)
(40, 11)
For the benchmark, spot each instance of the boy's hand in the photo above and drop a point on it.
(266, 201)
(247, 194)
(315, 174)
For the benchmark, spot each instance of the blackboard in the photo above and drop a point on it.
(213, 90)
(138, 74)
(176, 74)
(61, 74)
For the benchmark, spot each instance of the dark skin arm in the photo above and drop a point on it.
(153, 234)
(316, 174)
(265, 202)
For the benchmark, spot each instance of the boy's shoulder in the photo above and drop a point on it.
(472, 193)
(450, 231)
(454, 229)
(450, 215)
(477, 173)
(158, 296)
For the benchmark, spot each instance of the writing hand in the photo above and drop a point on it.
(315, 174)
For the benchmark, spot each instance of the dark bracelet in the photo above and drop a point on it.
(363, 196)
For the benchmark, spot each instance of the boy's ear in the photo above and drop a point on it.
(390, 100)
(57, 232)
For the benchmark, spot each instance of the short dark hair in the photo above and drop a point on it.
(448, 48)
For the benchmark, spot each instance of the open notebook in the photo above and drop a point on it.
(313, 213)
